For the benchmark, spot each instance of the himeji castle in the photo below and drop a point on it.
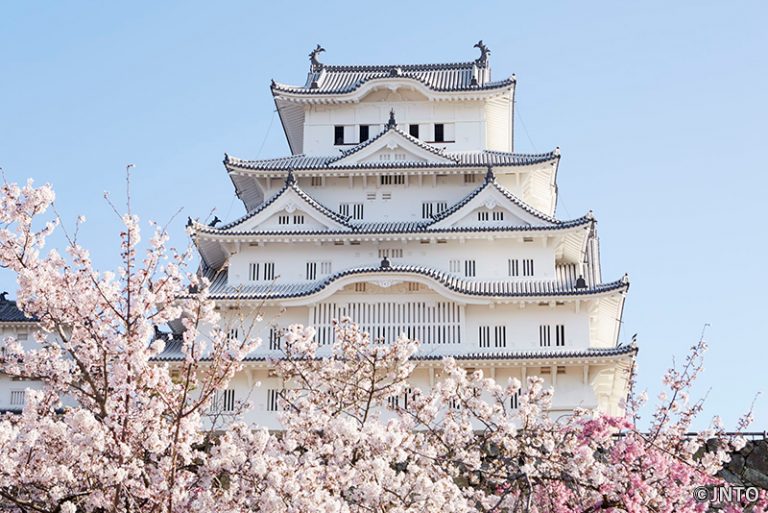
(404, 207)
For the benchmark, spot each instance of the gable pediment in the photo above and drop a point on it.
(291, 210)
(492, 206)
(392, 145)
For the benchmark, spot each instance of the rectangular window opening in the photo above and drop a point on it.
(439, 132)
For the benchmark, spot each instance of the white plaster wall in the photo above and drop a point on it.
(571, 390)
(491, 257)
(468, 117)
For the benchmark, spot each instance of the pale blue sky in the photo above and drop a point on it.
(659, 107)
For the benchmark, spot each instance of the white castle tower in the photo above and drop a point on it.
(404, 207)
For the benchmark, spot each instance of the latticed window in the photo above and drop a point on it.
(275, 338)
(432, 208)
(223, 401)
(514, 400)
(528, 267)
(17, 397)
(353, 210)
(273, 399)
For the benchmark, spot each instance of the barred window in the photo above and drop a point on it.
(275, 338)
(223, 401)
(273, 399)
(528, 267)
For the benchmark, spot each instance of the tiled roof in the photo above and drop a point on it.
(398, 227)
(220, 289)
(288, 185)
(437, 77)
(173, 352)
(461, 160)
(9, 312)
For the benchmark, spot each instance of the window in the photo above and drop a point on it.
(455, 266)
(528, 267)
(275, 336)
(232, 334)
(273, 399)
(338, 135)
(317, 181)
(560, 335)
(223, 401)
(413, 286)
(283, 219)
(391, 253)
(298, 219)
(514, 400)
(17, 397)
(269, 270)
(454, 403)
(545, 336)
(469, 178)
(353, 210)
(498, 215)
(21, 336)
(485, 336)
(561, 369)
(431, 208)
(500, 336)
(364, 133)
(370, 196)
(253, 271)
(413, 130)
(482, 215)
(359, 287)
(392, 179)
(311, 270)
(386, 195)
(439, 132)
(469, 268)
(513, 267)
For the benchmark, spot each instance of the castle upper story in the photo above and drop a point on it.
(453, 106)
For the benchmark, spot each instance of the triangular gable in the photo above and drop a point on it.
(289, 200)
(392, 145)
(491, 197)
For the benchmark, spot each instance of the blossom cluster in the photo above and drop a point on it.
(114, 430)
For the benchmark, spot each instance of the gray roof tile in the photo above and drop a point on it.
(220, 289)
(438, 77)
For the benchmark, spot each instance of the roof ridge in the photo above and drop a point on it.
(408, 67)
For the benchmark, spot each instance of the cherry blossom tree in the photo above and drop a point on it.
(113, 430)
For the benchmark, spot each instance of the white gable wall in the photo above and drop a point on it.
(468, 119)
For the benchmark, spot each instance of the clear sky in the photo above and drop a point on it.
(659, 108)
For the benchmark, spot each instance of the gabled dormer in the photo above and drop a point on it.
(491, 205)
(390, 146)
(290, 209)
